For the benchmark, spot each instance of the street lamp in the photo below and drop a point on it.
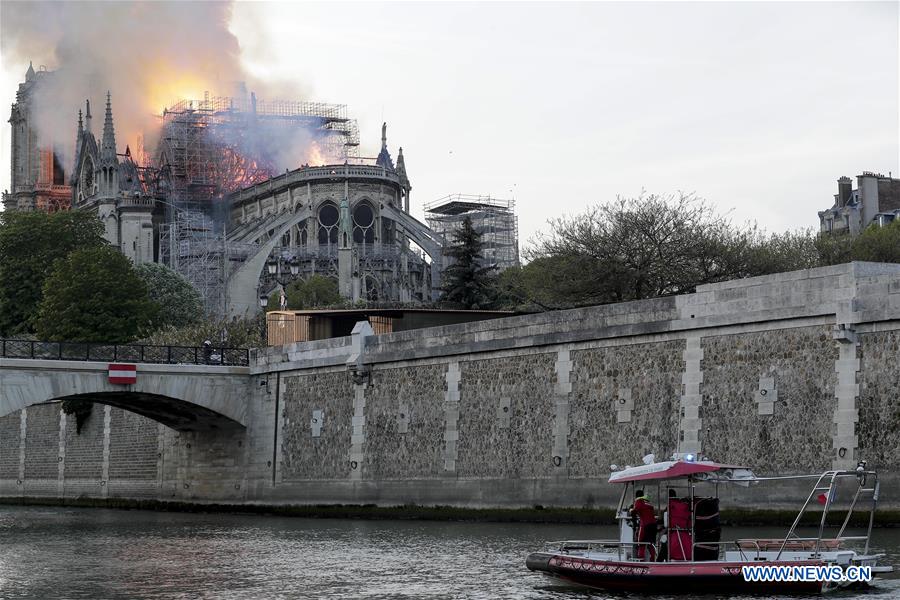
(263, 302)
(272, 266)
(295, 266)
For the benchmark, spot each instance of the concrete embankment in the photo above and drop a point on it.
(789, 373)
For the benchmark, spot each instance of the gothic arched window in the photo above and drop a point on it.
(363, 223)
(328, 223)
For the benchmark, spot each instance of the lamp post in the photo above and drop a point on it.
(274, 269)
(263, 303)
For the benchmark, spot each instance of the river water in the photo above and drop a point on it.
(98, 553)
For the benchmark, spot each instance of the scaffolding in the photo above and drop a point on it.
(214, 146)
(217, 145)
(493, 218)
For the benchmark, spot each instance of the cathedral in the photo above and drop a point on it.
(211, 203)
(112, 186)
(38, 176)
(214, 201)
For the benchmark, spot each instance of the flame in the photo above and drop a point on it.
(314, 155)
(170, 84)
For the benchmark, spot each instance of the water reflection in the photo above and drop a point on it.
(90, 553)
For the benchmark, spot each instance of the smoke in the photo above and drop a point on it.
(147, 54)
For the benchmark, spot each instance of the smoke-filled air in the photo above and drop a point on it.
(148, 55)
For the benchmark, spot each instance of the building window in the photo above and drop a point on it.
(363, 223)
(328, 224)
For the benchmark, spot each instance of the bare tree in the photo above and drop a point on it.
(651, 246)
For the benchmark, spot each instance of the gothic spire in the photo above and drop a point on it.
(87, 116)
(30, 72)
(384, 157)
(401, 165)
(80, 126)
(108, 145)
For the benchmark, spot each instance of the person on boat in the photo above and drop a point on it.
(642, 511)
(663, 521)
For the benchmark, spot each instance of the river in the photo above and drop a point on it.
(98, 553)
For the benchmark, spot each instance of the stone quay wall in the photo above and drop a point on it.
(789, 373)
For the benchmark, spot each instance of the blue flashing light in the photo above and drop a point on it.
(689, 457)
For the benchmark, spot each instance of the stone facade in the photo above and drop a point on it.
(38, 178)
(505, 407)
(315, 430)
(879, 409)
(792, 373)
(645, 377)
(404, 424)
(133, 447)
(793, 435)
(10, 426)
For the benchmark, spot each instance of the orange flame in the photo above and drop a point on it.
(314, 155)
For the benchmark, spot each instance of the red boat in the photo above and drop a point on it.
(689, 555)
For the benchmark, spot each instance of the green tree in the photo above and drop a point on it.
(94, 295)
(877, 244)
(30, 245)
(833, 249)
(180, 304)
(317, 291)
(468, 284)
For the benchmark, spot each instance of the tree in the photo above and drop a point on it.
(94, 295)
(780, 252)
(652, 246)
(230, 333)
(180, 304)
(315, 292)
(877, 244)
(30, 245)
(833, 248)
(467, 283)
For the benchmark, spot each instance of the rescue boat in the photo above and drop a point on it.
(690, 556)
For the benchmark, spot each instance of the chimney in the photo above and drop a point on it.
(845, 189)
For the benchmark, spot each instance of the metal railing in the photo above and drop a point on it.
(138, 353)
(623, 550)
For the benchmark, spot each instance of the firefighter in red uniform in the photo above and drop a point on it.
(642, 512)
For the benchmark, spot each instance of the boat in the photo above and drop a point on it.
(690, 557)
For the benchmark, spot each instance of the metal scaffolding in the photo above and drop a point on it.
(214, 146)
(493, 218)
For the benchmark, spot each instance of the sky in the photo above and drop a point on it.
(758, 107)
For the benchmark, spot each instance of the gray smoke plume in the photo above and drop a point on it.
(147, 54)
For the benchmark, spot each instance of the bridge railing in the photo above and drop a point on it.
(137, 353)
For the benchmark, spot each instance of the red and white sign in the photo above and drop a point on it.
(125, 374)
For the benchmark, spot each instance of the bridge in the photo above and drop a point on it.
(185, 388)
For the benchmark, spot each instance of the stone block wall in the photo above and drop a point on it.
(768, 399)
(506, 410)
(112, 456)
(879, 400)
(316, 425)
(83, 454)
(404, 423)
(624, 405)
(10, 450)
(792, 373)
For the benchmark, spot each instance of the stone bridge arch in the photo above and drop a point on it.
(183, 397)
